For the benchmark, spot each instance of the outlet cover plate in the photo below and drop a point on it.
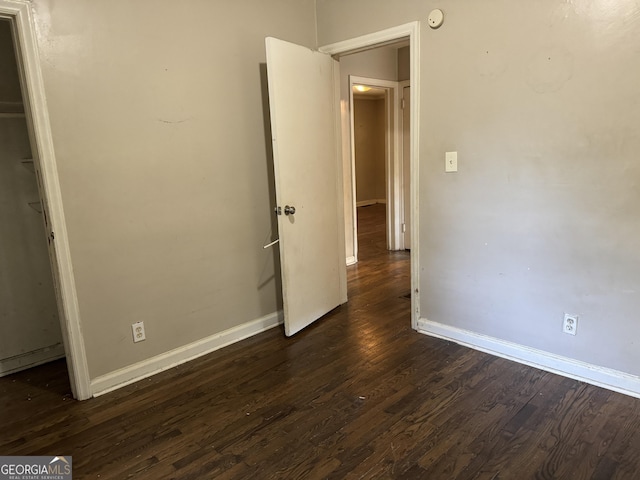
(451, 161)
(138, 332)
(570, 324)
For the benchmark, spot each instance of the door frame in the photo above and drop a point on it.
(377, 39)
(393, 185)
(403, 210)
(35, 106)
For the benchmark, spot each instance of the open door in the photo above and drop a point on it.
(308, 178)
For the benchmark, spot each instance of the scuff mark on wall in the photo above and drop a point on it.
(161, 120)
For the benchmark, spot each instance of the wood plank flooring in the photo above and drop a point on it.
(357, 395)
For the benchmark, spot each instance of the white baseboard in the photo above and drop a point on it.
(366, 203)
(351, 260)
(585, 372)
(31, 359)
(133, 373)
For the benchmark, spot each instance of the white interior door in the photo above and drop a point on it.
(303, 85)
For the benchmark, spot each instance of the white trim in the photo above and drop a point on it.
(36, 105)
(31, 359)
(339, 192)
(138, 371)
(365, 42)
(352, 166)
(391, 157)
(585, 372)
(351, 260)
(414, 119)
(375, 39)
(401, 154)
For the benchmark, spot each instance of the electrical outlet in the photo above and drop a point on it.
(570, 324)
(138, 332)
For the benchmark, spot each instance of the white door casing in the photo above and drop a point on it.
(406, 164)
(393, 171)
(305, 124)
(372, 40)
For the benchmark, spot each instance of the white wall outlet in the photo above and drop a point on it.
(570, 324)
(138, 332)
(451, 161)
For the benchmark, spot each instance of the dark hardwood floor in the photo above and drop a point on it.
(357, 395)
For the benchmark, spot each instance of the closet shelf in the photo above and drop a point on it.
(37, 206)
(28, 164)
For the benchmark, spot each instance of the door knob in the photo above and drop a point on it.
(289, 210)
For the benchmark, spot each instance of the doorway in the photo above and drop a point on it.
(408, 32)
(371, 144)
(379, 175)
(30, 328)
(17, 15)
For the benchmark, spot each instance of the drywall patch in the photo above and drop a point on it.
(549, 69)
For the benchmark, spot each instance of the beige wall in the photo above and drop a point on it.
(404, 64)
(540, 99)
(369, 137)
(158, 120)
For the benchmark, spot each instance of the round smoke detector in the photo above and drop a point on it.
(436, 17)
